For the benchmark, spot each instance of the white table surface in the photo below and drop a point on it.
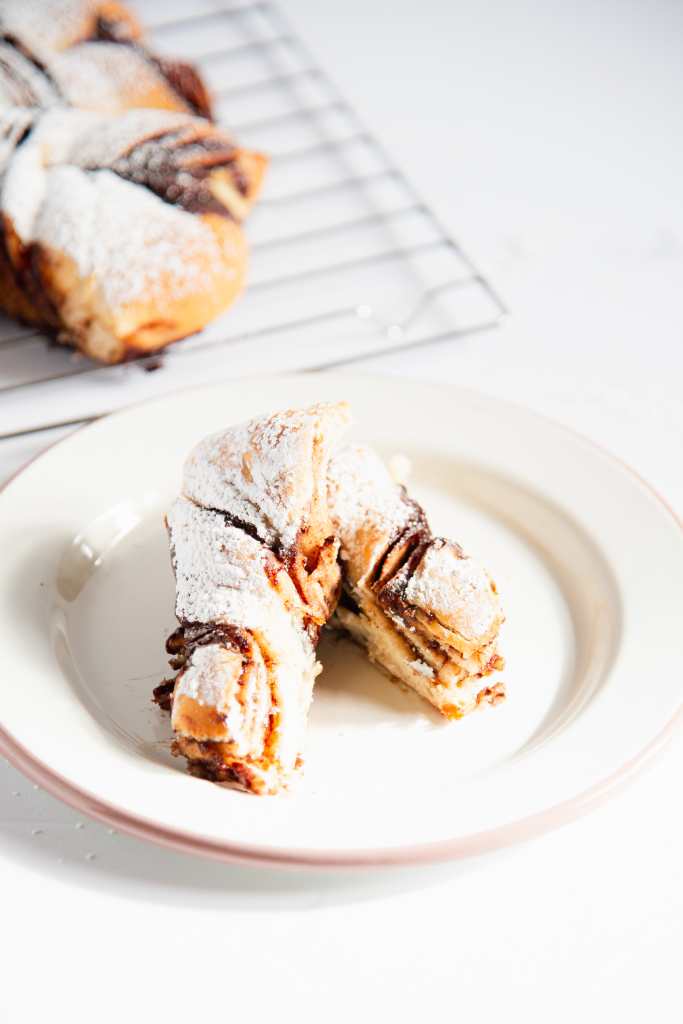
(548, 137)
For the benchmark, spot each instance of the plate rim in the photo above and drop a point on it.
(473, 845)
(456, 848)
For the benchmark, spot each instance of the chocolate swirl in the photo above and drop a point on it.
(177, 168)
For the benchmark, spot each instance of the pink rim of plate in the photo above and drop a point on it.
(473, 845)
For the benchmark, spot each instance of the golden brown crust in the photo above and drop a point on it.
(22, 293)
(13, 299)
(194, 719)
(252, 167)
(114, 335)
(213, 762)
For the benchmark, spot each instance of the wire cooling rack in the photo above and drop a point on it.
(347, 262)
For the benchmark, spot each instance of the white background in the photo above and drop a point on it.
(548, 137)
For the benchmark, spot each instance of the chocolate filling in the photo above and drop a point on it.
(186, 82)
(189, 635)
(176, 166)
(163, 694)
(347, 601)
(165, 165)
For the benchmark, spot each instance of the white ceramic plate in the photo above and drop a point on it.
(587, 559)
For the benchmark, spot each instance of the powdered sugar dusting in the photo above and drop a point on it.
(110, 136)
(22, 189)
(95, 140)
(105, 76)
(204, 679)
(62, 130)
(264, 472)
(454, 588)
(362, 492)
(221, 578)
(135, 244)
(13, 126)
(220, 570)
(400, 468)
(21, 82)
(364, 500)
(368, 509)
(45, 25)
(443, 608)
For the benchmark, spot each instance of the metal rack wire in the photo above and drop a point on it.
(348, 262)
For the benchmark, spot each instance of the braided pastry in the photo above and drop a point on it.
(121, 233)
(427, 614)
(90, 55)
(120, 209)
(255, 559)
(45, 27)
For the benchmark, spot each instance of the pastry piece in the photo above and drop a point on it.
(426, 613)
(255, 560)
(42, 28)
(112, 77)
(90, 55)
(121, 233)
(105, 77)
